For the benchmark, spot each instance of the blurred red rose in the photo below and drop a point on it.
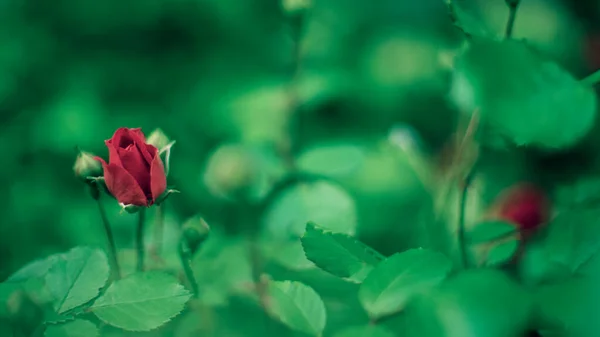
(525, 205)
(135, 174)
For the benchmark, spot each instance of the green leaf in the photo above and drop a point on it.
(569, 308)
(332, 160)
(297, 306)
(574, 238)
(76, 328)
(142, 301)
(76, 277)
(222, 268)
(466, 20)
(35, 269)
(521, 96)
(365, 331)
(339, 254)
(501, 252)
(322, 202)
(490, 231)
(389, 287)
(474, 303)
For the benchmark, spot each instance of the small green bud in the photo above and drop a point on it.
(195, 232)
(159, 139)
(86, 166)
(231, 171)
(296, 6)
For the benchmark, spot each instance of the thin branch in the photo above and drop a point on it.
(513, 5)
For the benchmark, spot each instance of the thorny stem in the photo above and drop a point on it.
(116, 270)
(513, 5)
(186, 262)
(139, 240)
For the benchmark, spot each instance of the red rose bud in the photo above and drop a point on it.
(524, 205)
(135, 174)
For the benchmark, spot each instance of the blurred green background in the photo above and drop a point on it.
(358, 88)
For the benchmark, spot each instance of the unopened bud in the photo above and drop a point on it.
(296, 6)
(159, 139)
(86, 166)
(195, 232)
(231, 170)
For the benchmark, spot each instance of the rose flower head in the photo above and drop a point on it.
(135, 174)
(524, 205)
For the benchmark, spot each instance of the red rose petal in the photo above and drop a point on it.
(113, 153)
(133, 162)
(143, 148)
(137, 133)
(158, 179)
(123, 186)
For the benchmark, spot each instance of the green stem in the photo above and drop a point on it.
(139, 240)
(159, 226)
(461, 219)
(592, 79)
(116, 270)
(512, 14)
(186, 262)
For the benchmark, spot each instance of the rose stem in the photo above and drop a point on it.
(186, 262)
(139, 240)
(111, 241)
(158, 230)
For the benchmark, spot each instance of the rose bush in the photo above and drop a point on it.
(135, 173)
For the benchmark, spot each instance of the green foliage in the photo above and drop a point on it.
(76, 278)
(502, 252)
(297, 306)
(350, 116)
(392, 284)
(364, 331)
(490, 231)
(141, 302)
(514, 88)
(471, 304)
(319, 201)
(76, 328)
(339, 254)
(222, 268)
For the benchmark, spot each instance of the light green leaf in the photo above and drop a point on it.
(142, 301)
(573, 238)
(297, 306)
(474, 303)
(319, 201)
(501, 252)
(339, 254)
(222, 268)
(466, 20)
(365, 331)
(76, 328)
(521, 96)
(332, 160)
(390, 286)
(35, 269)
(490, 231)
(76, 277)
